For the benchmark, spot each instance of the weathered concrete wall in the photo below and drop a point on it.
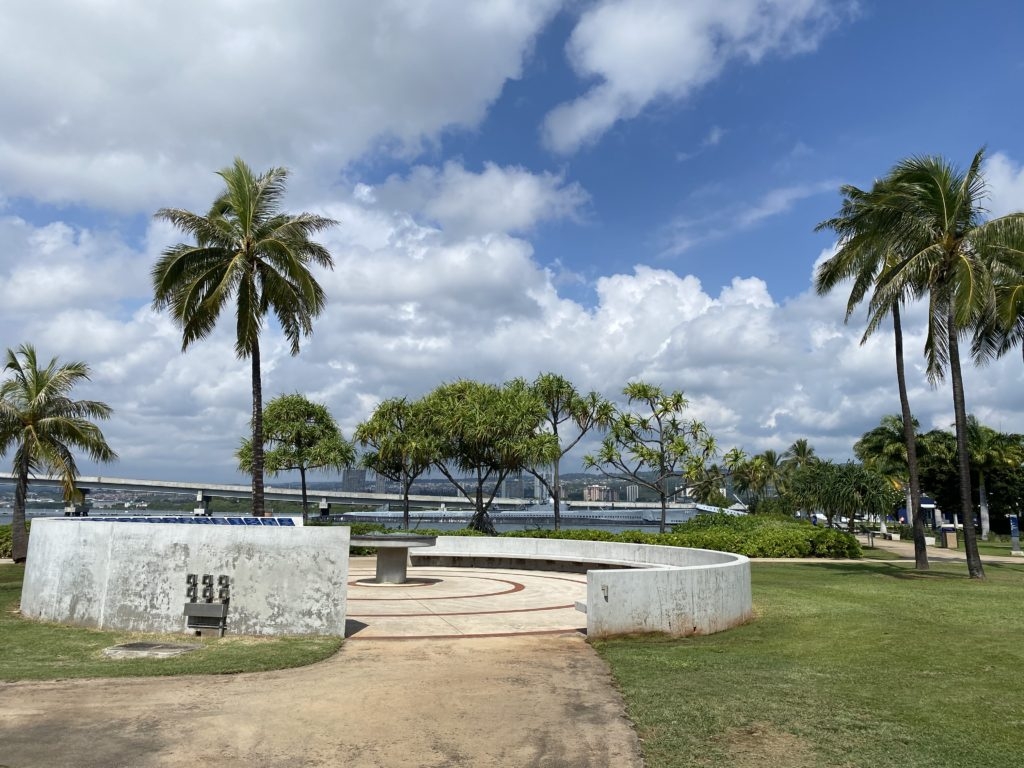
(674, 590)
(117, 575)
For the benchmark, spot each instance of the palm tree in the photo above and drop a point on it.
(44, 426)
(884, 450)
(930, 213)
(989, 449)
(864, 254)
(247, 251)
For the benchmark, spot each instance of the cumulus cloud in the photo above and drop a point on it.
(638, 51)
(412, 305)
(495, 200)
(128, 107)
(1005, 180)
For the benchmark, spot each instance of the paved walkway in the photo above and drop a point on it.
(491, 670)
(905, 549)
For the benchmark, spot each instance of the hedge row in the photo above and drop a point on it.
(750, 535)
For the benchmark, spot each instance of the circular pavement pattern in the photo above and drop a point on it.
(462, 602)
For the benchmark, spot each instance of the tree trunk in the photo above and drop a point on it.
(556, 495)
(19, 536)
(406, 487)
(910, 438)
(305, 504)
(974, 567)
(481, 520)
(258, 509)
(664, 505)
(983, 505)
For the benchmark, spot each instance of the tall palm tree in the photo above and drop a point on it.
(865, 252)
(44, 426)
(246, 251)
(932, 217)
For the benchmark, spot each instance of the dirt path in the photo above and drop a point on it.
(524, 701)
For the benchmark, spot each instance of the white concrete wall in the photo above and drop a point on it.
(117, 575)
(674, 590)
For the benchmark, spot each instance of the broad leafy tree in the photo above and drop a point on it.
(42, 427)
(865, 254)
(397, 445)
(654, 445)
(482, 433)
(247, 252)
(568, 415)
(301, 436)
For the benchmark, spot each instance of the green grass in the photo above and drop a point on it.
(848, 664)
(39, 651)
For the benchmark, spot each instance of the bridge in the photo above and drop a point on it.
(203, 492)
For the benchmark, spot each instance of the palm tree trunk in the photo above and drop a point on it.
(974, 567)
(305, 504)
(19, 536)
(910, 438)
(258, 509)
(983, 506)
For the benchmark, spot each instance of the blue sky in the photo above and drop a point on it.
(613, 190)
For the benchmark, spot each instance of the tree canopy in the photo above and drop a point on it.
(44, 427)
(487, 432)
(656, 445)
(247, 251)
(301, 436)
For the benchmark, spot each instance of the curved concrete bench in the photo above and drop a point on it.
(631, 588)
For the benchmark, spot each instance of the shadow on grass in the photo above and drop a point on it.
(898, 569)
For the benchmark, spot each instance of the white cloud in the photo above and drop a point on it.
(639, 51)
(132, 106)
(495, 200)
(412, 305)
(684, 233)
(1005, 180)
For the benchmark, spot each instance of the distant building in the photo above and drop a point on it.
(632, 492)
(354, 480)
(598, 493)
(512, 488)
(380, 484)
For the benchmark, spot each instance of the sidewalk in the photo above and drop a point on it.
(905, 549)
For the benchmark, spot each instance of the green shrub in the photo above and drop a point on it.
(6, 545)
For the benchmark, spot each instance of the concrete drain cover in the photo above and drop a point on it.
(148, 650)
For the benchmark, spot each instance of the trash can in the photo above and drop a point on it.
(949, 537)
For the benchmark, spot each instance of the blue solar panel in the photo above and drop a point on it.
(235, 521)
(286, 522)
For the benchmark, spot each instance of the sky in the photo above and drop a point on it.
(614, 191)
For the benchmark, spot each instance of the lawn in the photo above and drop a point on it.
(38, 651)
(847, 664)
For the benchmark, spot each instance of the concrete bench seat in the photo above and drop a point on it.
(631, 588)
